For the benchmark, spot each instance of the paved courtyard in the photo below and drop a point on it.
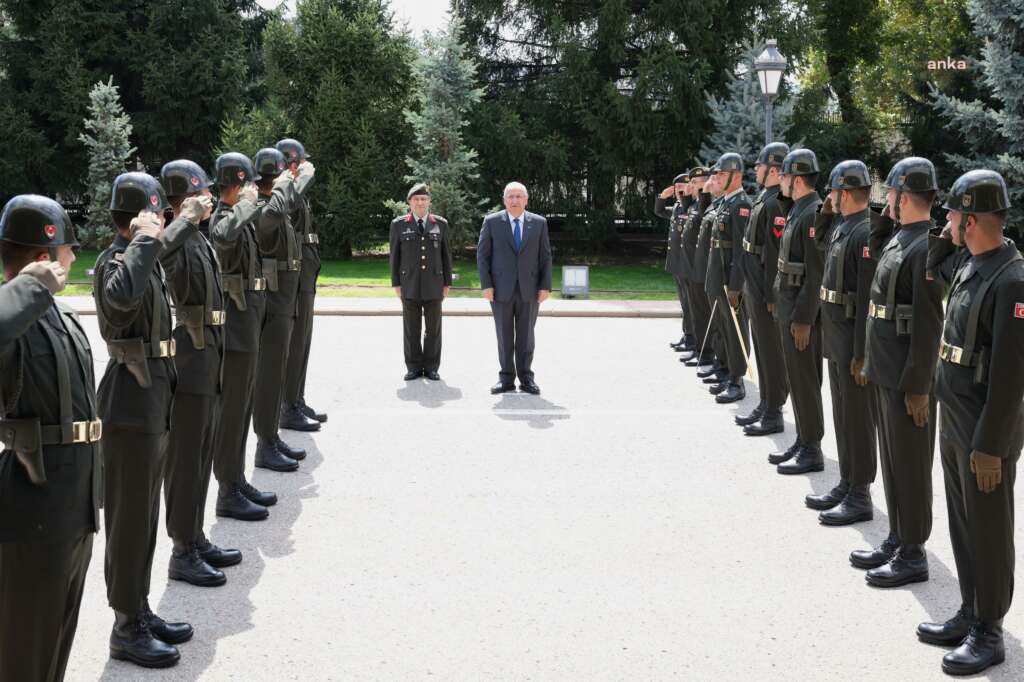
(617, 527)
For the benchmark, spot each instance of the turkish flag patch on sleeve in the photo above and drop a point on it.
(1018, 310)
(810, 232)
(867, 252)
(744, 212)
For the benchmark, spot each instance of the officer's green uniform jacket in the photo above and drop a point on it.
(420, 264)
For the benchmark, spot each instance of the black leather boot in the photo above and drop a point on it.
(269, 457)
(809, 458)
(950, 633)
(186, 565)
(718, 388)
(829, 499)
(751, 417)
(909, 565)
(854, 508)
(294, 419)
(260, 497)
(311, 413)
(169, 633)
(131, 640)
(878, 556)
(232, 504)
(734, 392)
(217, 557)
(288, 451)
(787, 454)
(770, 423)
(981, 649)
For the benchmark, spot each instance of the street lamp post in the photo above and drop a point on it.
(770, 65)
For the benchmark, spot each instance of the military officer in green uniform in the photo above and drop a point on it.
(50, 469)
(980, 386)
(718, 372)
(675, 263)
(421, 274)
(698, 300)
(134, 401)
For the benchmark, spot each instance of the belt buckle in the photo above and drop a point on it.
(167, 348)
(95, 430)
(217, 317)
(80, 432)
(296, 264)
(259, 284)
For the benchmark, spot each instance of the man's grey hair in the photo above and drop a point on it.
(513, 186)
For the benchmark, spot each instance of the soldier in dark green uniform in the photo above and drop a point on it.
(698, 300)
(796, 310)
(845, 294)
(724, 280)
(134, 398)
(50, 469)
(980, 385)
(717, 373)
(281, 261)
(760, 264)
(193, 281)
(233, 232)
(421, 273)
(296, 414)
(904, 324)
(675, 263)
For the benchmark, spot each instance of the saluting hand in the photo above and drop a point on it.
(283, 180)
(197, 209)
(988, 469)
(147, 224)
(248, 193)
(668, 192)
(50, 274)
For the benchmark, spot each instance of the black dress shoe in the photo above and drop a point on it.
(216, 556)
(260, 497)
(432, 375)
(170, 633)
(677, 344)
(770, 423)
(294, 419)
(981, 649)
(734, 392)
(879, 556)
(530, 387)
(502, 388)
(854, 508)
(288, 451)
(909, 565)
(694, 361)
(688, 355)
(718, 388)
(829, 499)
(189, 567)
(704, 373)
(232, 504)
(413, 374)
(787, 454)
(269, 457)
(718, 377)
(131, 640)
(751, 417)
(809, 458)
(950, 633)
(311, 413)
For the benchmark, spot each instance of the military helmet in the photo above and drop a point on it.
(269, 163)
(293, 150)
(773, 154)
(912, 174)
(849, 175)
(681, 178)
(33, 220)
(134, 192)
(729, 163)
(234, 169)
(698, 172)
(183, 177)
(800, 162)
(978, 191)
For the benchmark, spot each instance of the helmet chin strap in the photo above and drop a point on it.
(962, 229)
(792, 181)
(896, 208)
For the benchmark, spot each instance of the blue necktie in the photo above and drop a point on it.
(517, 234)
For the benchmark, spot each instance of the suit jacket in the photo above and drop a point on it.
(420, 264)
(504, 270)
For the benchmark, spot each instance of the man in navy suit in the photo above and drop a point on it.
(514, 258)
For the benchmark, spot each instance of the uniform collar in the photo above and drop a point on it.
(987, 263)
(120, 242)
(906, 233)
(806, 200)
(738, 190)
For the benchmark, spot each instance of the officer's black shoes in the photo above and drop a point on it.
(170, 633)
(529, 387)
(432, 375)
(770, 423)
(131, 640)
(734, 392)
(716, 377)
(829, 499)
(413, 374)
(311, 413)
(950, 633)
(854, 508)
(501, 387)
(718, 388)
(688, 355)
(981, 649)
(808, 458)
(693, 361)
(294, 419)
(786, 455)
(186, 565)
(269, 457)
(232, 504)
(677, 344)
(750, 418)
(879, 556)
(216, 556)
(288, 451)
(705, 373)
(264, 499)
(908, 565)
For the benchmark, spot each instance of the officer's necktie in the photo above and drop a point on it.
(420, 223)
(517, 234)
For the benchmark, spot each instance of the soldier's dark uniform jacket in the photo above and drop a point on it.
(690, 234)
(703, 254)
(134, 316)
(306, 234)
(905, 315)
(761, 244)
(279, 249)
(676, 262)
(233, 231)
(846, 288)
(421, 264)
(724, 268)
(800, 267)
(47, 391)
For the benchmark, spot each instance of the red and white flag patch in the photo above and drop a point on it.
(780, 221)
(745, 212)
(51, 231)
(1018, 310)
(867, 252)
(810, 232)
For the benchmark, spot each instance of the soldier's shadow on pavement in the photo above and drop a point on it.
(537, 412)
(431, 394)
